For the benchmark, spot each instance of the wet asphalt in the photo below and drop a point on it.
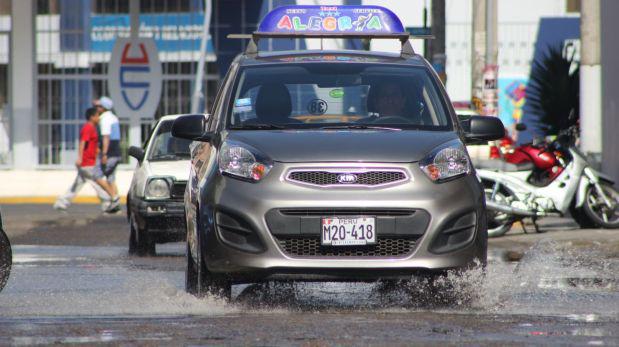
(72, 282)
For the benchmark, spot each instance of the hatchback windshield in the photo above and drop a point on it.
(166, 147)
(332, 95)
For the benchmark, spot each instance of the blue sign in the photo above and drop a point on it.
(172, 32)
(332, 20)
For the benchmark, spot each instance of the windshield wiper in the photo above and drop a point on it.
(358, 127)
(257, 126)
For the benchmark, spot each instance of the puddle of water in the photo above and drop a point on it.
(549, 280)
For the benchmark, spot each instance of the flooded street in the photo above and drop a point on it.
(559, 292)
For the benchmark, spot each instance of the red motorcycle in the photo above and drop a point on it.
(545, 162)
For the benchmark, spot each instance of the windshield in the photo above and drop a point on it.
(333, 95)
(166, 147)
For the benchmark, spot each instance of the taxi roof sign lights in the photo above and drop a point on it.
(316, 21)
(331, 21)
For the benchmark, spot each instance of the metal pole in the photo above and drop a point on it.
(197, 93)
(590, 80)
(478, 53)
(437, 46)
(135, 133)
(490, 97)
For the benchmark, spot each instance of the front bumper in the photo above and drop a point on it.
(254, 249)
(164, 219)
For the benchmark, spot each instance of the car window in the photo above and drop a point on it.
(166, 147)
(320, 94)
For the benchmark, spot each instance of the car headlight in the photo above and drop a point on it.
(446, 162)
(157, 188)
(242, 161)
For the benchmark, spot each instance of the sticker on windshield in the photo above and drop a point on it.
(242, 105)
(336, 93)
(317, 107)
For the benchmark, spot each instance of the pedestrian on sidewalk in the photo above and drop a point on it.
(86, 163)
(110, 147)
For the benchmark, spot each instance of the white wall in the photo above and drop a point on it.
(518, 22)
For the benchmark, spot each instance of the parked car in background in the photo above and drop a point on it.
(6, 257)
(155, 207)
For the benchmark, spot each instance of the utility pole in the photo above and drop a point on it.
(478, 53)
(484, 55)
(491, 70)
(135, 132)
(437, 46)
(590, 80)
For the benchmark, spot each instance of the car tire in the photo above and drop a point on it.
(6, 259)
(199, 281)
(133, 237)
(142, 244)
(597, 210)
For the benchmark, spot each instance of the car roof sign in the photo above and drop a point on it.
(335, 21)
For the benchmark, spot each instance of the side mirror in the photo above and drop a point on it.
(481, 129)
(191, 127)
(137, 153)
(521, 127)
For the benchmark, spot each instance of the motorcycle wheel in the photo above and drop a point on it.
(5, 259)
(595, 208)
(499, 223)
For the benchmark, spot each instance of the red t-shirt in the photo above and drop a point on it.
(90, 136)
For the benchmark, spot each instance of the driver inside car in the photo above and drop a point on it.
(390, 100)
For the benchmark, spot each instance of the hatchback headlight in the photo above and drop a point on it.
(157, 188)
(446, 162)
(242, 161)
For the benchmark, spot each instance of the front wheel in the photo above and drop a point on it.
(598, 211)
(139, 241)
(5, 259)
(199, 280)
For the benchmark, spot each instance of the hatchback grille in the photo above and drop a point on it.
(311, 247)
(178, 190)
(334, 178)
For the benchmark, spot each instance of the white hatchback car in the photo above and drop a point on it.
(155, 208)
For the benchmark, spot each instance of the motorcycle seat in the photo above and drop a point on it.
(501, 165)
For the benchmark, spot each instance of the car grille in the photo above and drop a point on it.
(364, 178)
(311, 247)
(178, 190)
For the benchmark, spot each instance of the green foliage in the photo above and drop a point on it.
(553, 91)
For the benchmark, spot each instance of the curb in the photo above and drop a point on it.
(49, 200)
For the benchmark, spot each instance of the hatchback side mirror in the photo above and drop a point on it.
(481, 129)
(191, 127)
(137, 153)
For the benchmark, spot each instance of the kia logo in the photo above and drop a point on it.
(347, 178)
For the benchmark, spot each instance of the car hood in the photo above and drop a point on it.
(179, 169)
(349, 145)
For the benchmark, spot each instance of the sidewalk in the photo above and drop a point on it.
(44, 186)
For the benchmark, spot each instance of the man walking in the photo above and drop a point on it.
(86, 163)
(110, 148)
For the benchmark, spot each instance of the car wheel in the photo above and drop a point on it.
(199, 280)
(133, 237)
(144, 246)
(596, 209)
(5, 259)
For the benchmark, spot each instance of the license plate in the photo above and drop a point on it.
(348, 231)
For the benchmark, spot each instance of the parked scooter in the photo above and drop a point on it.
(558, 181)
(5, 257)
